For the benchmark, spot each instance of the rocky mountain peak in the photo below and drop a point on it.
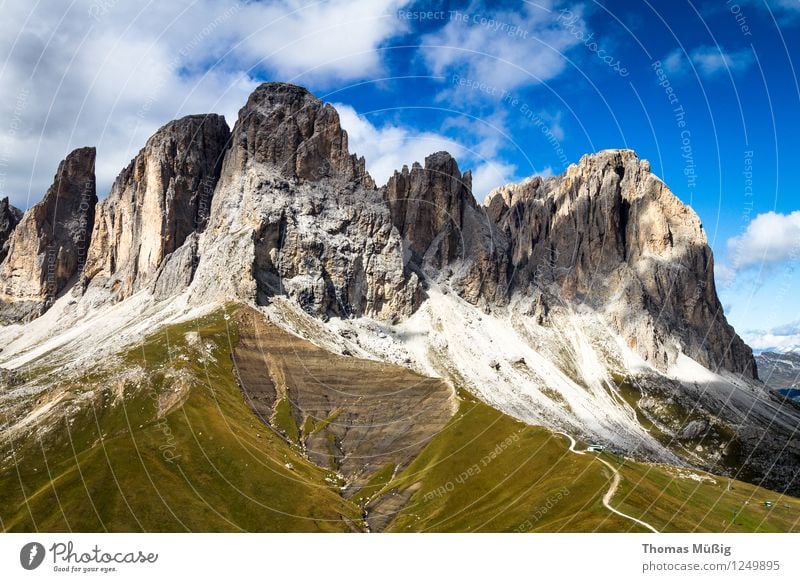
(781, 371)
(606, 235)
(287, 127)
(9, 218)
(156, 203)
(445, 234)
(610, 235)
(427, 206)
(48, 247)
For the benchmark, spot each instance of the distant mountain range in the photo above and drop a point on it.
(781, 372)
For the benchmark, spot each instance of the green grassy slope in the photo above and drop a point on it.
(671, 503)
(489, 472)
(207, 465)
(161, 439)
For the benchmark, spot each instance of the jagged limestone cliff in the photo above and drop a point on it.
(47, 249)
(611, 235)
(9, 218)
(156, 203)
(294, 213)
(578, 302)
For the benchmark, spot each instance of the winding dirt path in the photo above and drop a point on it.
(616, 480)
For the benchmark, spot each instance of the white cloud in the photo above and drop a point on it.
(792, 5)
(108, 74)
(709, 61)
(674, 62)
(332, 40)
(488, 176)
(503, 49)
(724, 275)
(786, 11)
(389, 147)
(770, 238)
(487, 134)
(772, 340)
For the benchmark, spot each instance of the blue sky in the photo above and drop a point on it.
(706, 90)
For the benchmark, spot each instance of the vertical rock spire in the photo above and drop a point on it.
(9, 218)
(48, 247)
(156, 203)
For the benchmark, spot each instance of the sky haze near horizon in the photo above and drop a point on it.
(706, 90)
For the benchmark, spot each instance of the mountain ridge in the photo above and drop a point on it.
(440, 200)
(583, 302)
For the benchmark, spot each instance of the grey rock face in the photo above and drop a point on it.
(177, 269)
(428, 206)
(160, 199)
(9, 218)
(610, 235)
(694, 429)
(286, 127)
(330, 246)
(280, 225)
(442, 227)
(48, 247)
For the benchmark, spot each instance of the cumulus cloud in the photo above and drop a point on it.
(503, 49)
(785, 7)
(770, 238)
(780, 339)
(389, 147)
(724, 275)
(674, 62)
(490, 175)
(332, 40)
(709, 61)
(110, 73)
